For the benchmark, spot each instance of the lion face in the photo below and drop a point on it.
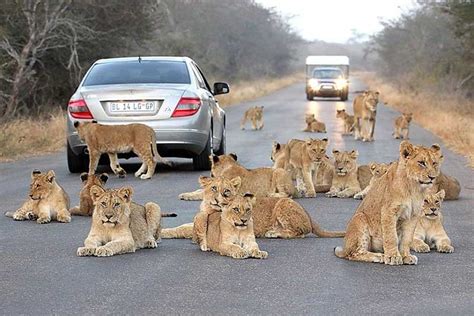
(378, 169)
(316, 149)
(41, 184)
(258, 112)
(432, 204)
(422, 163)
(277, 150)
(112, 207)
(219, 190)
(341, 113)
(407, 117)
(371, 100)
(239, 210)
(309, 118)
(82, 128)
(345, 162)
(219, 163)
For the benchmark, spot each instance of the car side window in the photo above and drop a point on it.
(208, 87)
(200, 80)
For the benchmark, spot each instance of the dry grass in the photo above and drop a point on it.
(450, 117)
(29, 137)
(250, 90)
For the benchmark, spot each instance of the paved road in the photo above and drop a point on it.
(40, 273)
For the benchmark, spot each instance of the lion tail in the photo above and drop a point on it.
(9, 214)
(318, 231)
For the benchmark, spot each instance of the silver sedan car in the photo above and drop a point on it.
(169, 94)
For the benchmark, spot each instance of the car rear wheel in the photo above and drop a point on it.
(76, 163)
(222, 147)
(201, 161)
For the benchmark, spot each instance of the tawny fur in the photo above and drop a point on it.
(345, 182)
(255, 116)
(313, 125)
(86, 206)
(377, 170)
(449, 184)
(348, 121)
(382, 228)
(120, 226)
(402, 125)
(365, 110)
(429, 232)
(116, 139)
(47, 201)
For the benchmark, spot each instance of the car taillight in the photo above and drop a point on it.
(79, 109)
(187, 107)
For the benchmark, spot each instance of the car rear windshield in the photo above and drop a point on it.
(327, 74)
(146, 71)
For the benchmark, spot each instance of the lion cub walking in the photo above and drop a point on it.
(313, 125)
(348, 121)
(119, 225)
(402, 125)
(47, 201)
(255, 115)
(429, 232)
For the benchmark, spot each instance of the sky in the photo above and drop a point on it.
(334, 20)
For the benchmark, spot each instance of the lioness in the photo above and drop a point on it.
(382, 228)
(86, 206)
(313, 125)
(259, 181)
(255, 115)
(231, 232)
(348, 121)
(365, 110)
(429, 232)
(402, 125)
(118, 226)
(114, 139)
(377, 170)
(345, 182)
(47, 201)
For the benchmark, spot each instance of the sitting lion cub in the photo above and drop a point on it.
(116, 139)
(402, 125)
(429, 232)
(47, 201)
(382, 228)
(120, 226)
(86, 206)
(313, 125)
(255, 115)
(345, 181)
(348, 121)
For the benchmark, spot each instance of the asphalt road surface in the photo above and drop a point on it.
(40, 273)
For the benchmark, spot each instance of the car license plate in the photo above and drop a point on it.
(133, 107)
(327, 87)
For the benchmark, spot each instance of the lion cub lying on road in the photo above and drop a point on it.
(115, 139)
(47, 201)
(429, 232)
(255, 115)
(382, 228)
(313, 125)
(377, 170)
(345, 182)
(120, 226)
(402, 125)
(348, 121)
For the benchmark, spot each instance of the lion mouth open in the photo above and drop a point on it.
(240, 225)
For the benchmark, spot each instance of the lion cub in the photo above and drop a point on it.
(345, 181)
(116, 139)
(313, 125)
(231, 232)
(47, 201)
(402, 125)
(86, 206)
(120, 226)
(348, 121)
(377, 170)
(429, 232)
(255, 115)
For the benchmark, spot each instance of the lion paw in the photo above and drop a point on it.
(445, 248)
(331, 194)
(204, 247)
(103, 251)
(85, 251)
(410, 259)
(358, 196)
(342, 195)
(64, 218)
(310, 194)
(421, 248)
(271, 234)
(239, 255)
(43, 220)
(145, 177)
(259, 254)
(151, 243)
(393, 260)
(18, 217)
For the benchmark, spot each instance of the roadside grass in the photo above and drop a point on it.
(449, 116)
(25, 137)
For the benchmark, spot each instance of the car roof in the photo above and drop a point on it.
(327, 68)
(125, 59)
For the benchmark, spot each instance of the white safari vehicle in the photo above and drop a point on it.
(327, 76)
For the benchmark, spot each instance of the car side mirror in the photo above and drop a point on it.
(221, 88)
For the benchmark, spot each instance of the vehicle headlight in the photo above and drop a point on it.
(341, 83)
(313, 83)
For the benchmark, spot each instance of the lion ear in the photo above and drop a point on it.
(76, 124)
(335, 151)
(249, 196)
(435, 147)
(104, 177)
(277, 145)
(234, 156)
(441, 194)
(236, 182)
(325, 140)
(84, 176)
(50, 176)
(96, 192)
(406, 149)
(377, 93)
(203, 181)
(354, 154)
(34, 173)
(214, 158)
(126, 193)
(372, 165)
